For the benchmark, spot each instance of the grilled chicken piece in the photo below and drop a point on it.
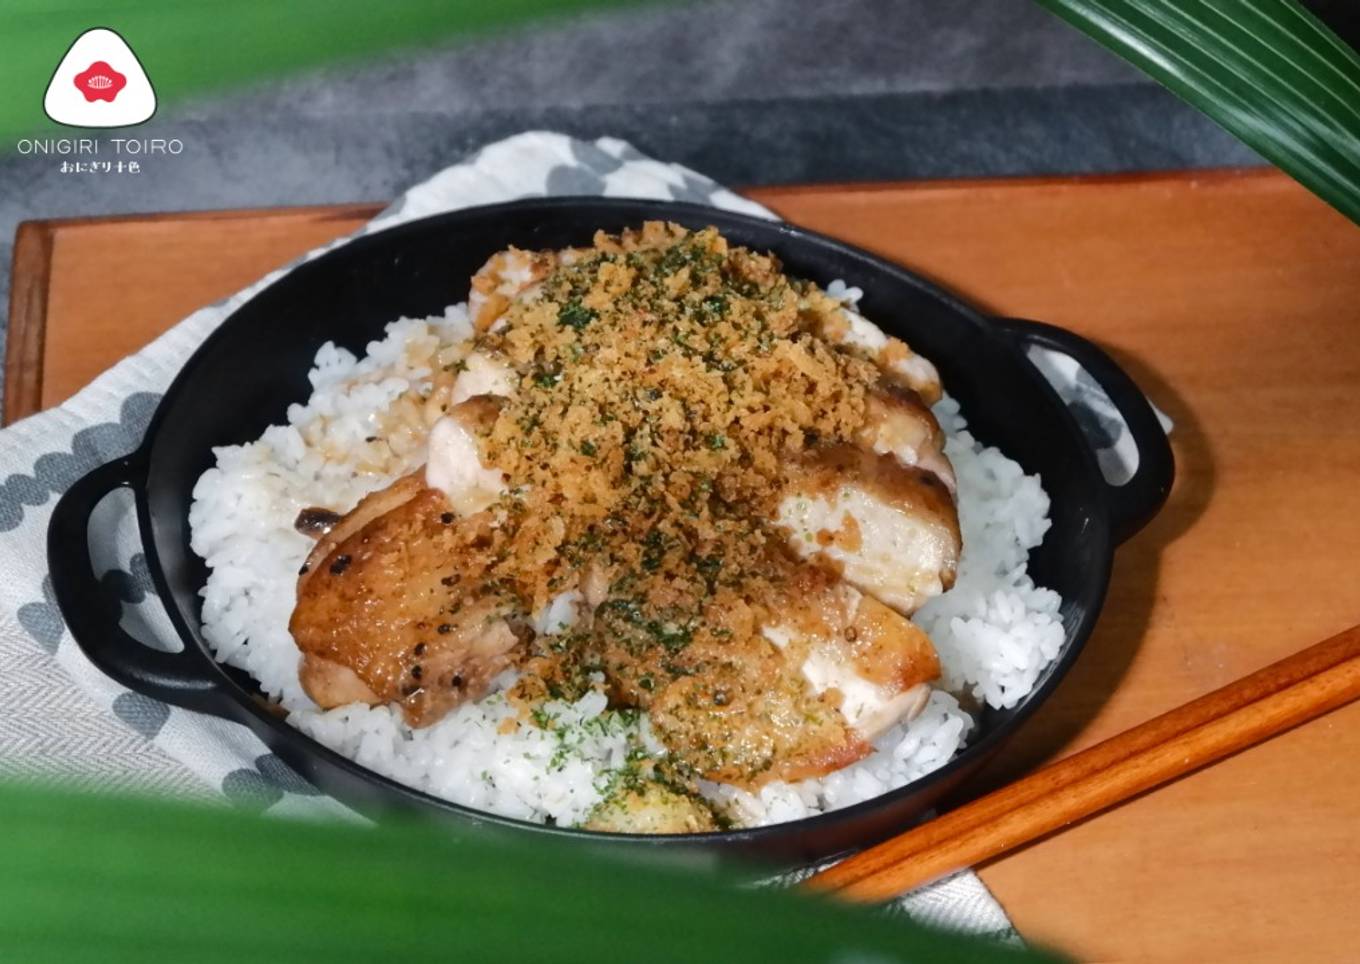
(455, 465)
(748, 717)
(377, 621)
(483, 374)
(370, 507)
(506, 276)
(899, 424)
(893, 531)
(806, 694)
(331, 684)
(879, 662)
(900, 365)
(383, 614)
(515, 274)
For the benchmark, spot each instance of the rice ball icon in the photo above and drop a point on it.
(99, 81)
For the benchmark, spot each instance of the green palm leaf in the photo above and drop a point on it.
(1267, 70)
(113, 880)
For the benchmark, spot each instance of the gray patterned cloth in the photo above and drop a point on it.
(60, 717)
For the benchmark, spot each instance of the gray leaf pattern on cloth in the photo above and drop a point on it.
(250, 790)
(283, 776)
(54, 472)
(142, 713)
(574, 180)
(42, 620)
(1101, 430)
(265, 784)
(594, 159)
(694, 189)
(587, 175)
(131, 585)
(1093, 411)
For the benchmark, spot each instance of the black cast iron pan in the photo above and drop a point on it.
(246, 374)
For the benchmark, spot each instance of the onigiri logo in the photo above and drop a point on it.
(100, 83)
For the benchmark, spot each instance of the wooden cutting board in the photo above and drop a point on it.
(1232, 297)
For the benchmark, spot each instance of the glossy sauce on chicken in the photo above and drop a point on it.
(671, 472)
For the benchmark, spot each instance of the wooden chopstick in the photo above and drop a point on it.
(1241, 714)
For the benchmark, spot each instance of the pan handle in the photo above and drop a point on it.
(1132, 504)
(187, 678)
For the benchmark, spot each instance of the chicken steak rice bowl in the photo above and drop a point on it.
(647, 536)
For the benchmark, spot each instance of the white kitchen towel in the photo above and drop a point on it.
(59, 716)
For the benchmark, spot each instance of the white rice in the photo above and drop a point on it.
(995, 630)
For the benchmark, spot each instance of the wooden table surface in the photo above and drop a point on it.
(1233, 298)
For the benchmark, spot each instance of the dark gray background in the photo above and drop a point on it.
(747, 91)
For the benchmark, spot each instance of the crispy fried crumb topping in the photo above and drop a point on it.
(665, 379)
